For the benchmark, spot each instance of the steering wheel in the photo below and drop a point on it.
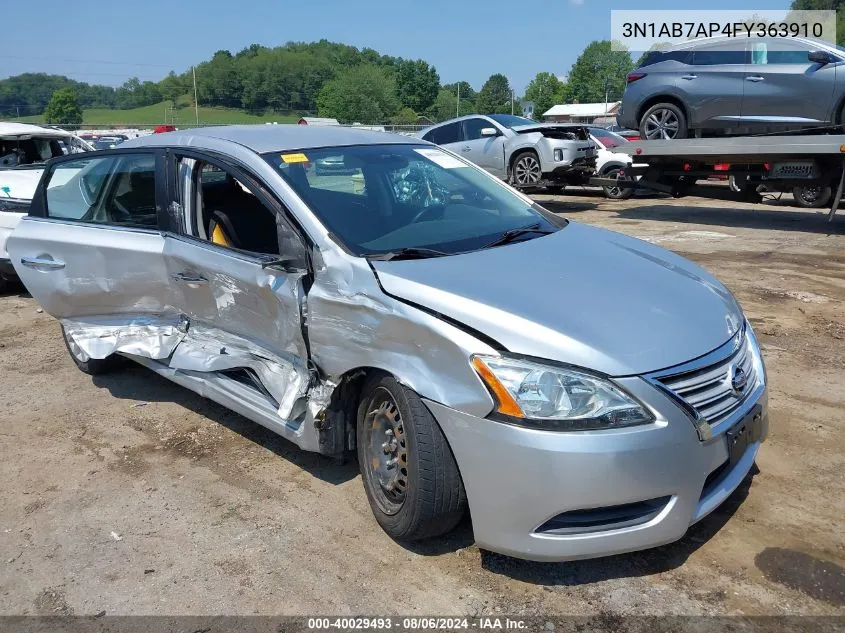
(428, 211)
(123, 212)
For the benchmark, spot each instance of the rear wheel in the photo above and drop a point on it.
(663, 121)
(616, 192)
(811, 197)
(526, 168)
(86, 364)
(410, 475)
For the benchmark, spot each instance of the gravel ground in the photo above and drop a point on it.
(126, 494)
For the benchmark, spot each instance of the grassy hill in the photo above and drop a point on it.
(155, 115)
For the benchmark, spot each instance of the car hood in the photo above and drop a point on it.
(584, 296)
(569, 131)
(19, 183)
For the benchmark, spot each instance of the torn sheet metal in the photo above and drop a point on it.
(352, 324)
(207, 349)
(319, 397)
(148, 336)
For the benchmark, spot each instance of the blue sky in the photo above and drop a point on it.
(107, 41)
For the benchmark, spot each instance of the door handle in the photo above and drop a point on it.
(755, 78)
(466, 148)
(689, 77)
(42, 263)
(190, 278)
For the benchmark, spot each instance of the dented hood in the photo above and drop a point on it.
(583, 295)
(560, 130)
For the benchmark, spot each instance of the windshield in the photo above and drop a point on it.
(509, 120)
(380, 199)
(608, 139)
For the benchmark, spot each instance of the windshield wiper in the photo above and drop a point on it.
(512, 234)
(409, 252)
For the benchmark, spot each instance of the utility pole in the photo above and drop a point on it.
(458, 107)
(196, 103)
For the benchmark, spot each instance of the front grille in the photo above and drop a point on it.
(708, 390)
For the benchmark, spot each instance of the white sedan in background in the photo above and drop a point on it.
(24, 149)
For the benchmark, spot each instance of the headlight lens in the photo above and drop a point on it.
(557, 398)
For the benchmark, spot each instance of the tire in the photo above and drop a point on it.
(663, 121)
(422, 495)
(615, 193)
(526, 168)
(88, 365)
(4, 285)
(812, 197)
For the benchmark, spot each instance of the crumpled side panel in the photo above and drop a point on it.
(149, 336)
(207, 349)
(353, 324)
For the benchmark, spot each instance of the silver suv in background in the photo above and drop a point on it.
(721, 86)
(519, 150)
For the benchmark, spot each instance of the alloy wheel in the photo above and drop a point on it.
(662, 123)
(527, 170)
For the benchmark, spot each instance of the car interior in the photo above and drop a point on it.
(232, 216)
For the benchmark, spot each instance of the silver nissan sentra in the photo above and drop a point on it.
(580, 392)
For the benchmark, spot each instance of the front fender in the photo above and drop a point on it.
(353, 323)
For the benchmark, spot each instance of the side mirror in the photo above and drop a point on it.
(489, 131)
(819, 57)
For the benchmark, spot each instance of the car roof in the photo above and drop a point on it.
(272, 138)
(9, 128)
(701, 41)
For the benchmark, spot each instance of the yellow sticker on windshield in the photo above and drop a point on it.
(295, 158)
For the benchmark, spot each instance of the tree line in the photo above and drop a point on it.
(328, 79)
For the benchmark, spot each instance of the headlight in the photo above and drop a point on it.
(557, 398)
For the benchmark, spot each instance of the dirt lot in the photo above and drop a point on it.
(129, 495)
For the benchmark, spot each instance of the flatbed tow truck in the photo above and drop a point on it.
(757, 163)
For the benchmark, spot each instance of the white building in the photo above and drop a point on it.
(580, 112)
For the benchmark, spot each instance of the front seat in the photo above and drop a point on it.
(238, 220)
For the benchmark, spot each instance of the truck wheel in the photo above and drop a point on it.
(811, 197)
(663, 121)
(86, 364)
(410, 475)
(616, 193)
(526, 168)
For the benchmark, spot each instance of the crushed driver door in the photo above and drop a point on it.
(243, 307)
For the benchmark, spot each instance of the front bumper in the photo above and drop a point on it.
(517, 479)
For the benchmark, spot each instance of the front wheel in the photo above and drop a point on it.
(526, 169)
(811, 197)
(616, 192)
(410, 475)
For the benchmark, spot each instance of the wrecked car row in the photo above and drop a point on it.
(580, 392)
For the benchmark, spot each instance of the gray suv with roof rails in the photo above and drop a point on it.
(721, 86)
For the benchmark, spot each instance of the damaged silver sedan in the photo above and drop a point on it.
(582, 393)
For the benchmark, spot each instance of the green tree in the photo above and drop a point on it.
(361, 94)
(417, 84)
(545, 90)
(405, 116)
(822, 5)
(63, 108)
(598, 71)
(495, 96)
